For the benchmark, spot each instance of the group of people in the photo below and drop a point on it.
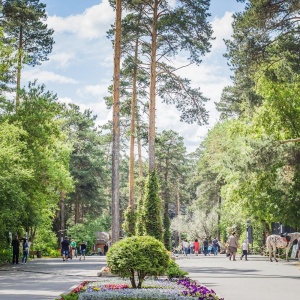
(193, 247)
(213, 246)
(233, 246)
(16, 250)
(69, 249)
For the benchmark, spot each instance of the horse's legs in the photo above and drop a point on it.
(270, 252)
(274, 251)
(287, 250)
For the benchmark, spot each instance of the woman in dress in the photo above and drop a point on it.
(196, 246)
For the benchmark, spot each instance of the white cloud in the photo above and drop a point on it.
(62, 59)
(65, 100)
(222, 30)
(99, 108)
(93, 23)
(46, 76)
(93, 90)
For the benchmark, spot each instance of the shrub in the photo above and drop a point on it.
(54, 253)
(139, 255)
(174, 271)
(70, 296)
(5, 256)
(153, 208)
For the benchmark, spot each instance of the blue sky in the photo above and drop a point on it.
(80, 66)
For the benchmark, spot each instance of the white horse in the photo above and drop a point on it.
(275, 241)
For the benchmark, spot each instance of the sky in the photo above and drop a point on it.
(80, 67)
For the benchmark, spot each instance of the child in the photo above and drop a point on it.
(245, 249)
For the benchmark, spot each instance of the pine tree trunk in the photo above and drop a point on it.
(116, 128)
(166, 208)
(153, 90)
(132, 130)
(139, 145)
(178, 211)
(19, 67)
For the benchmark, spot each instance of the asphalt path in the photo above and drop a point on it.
(255, 279)
(43, 279)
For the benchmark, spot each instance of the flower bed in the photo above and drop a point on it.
(162, 289)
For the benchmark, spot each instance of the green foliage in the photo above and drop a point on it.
(173, 170)
(88, 166)
(23, 24)
(5, 254)
(174, 271)
(140, 255)
(7, 60)
(70, 296)
(167, 231)
(86, 231)
(140, 226)
(15, 173)
(52, 253)
(129, 221)
(33, 163)
(45, 239)
(153, 208)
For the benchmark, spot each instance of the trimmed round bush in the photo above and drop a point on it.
(139, 256)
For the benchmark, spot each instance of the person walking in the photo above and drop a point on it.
(191, 247)
(196, 247)
(205, 246)
(232, 246)
(16, 248)
(105, 248)
(245, 250)
(73, 248)
(25, 251)
(65, 248)
(215, 245)
(82, 250)
(185, 247)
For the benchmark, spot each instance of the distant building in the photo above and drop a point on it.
(102, 239)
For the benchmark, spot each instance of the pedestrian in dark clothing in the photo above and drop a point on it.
(205, 246)
(82, 250)
(25, 251)
(65, 248)
(215, 243)
(15, 246)
(105, 248)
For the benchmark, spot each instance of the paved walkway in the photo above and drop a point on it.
(255, 279)
(45, 279)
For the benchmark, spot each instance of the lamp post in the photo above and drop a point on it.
(249, 233)
(248, 222)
